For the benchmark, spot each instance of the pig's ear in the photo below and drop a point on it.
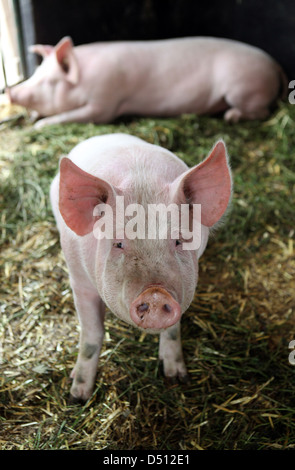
(79, 194)
(208, 184)
(67, 60)
(42, 49)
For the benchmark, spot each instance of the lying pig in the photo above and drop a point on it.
(98, 82)
(147, 282)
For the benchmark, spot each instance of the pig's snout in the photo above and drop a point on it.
(8, 94)
(12, 94)
(155, 309)
(21, 95)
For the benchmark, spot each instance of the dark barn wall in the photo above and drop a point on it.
(269, 24)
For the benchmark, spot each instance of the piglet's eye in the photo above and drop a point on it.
(118, 245)
(177, 242)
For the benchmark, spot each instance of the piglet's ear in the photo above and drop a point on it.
(42, 49)
(67, 60)
(79, 193)
(208, 184)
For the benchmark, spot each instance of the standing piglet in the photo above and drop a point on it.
(147, 282)
(100, 81)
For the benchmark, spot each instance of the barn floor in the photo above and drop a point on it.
(235, 335)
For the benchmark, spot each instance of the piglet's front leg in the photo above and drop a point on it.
(86, 113)
(170, 352)
(82, 114)
(91, 312)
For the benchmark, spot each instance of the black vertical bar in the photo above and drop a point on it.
(28, 34)
(20, 35)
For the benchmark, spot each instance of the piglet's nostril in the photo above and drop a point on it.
(167, 308)
(143, 307)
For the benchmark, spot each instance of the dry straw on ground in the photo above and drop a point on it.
(235, 334)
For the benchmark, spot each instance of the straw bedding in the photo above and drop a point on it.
(235, 334)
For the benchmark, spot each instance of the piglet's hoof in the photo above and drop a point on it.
(175, 379)
(75, 400)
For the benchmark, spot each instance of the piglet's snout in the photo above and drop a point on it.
(155, 308)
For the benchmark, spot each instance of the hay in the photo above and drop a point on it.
(235, 334)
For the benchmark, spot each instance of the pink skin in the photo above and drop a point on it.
(101, 81)
(148, 283)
